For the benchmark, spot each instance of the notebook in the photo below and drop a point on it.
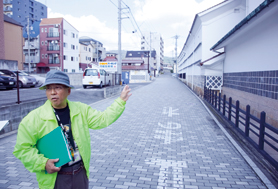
(54, 145)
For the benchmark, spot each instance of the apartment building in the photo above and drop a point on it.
(32, 54)
(154, 41)
(21, 10)
(59, 46)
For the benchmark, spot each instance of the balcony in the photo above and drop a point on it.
(53, 48)
(7, 2)
(53, 34)
(54, 61)
(7, 9)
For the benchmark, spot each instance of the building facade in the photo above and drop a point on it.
(13, 41)
(154, 41)
(20, 10)
(31, 61)
(198, 65)
(58, 46)
(250, 69)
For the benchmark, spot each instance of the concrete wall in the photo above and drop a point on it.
(16, 112)
(8, 64)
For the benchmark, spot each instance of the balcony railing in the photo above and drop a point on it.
(53, 48)
(54, 61)
(7, 2)
(53, 34)
(5, 9)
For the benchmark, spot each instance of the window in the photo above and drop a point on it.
(42, 30)
(73, 35)
(42, 56)
(65, 57)
(42, 42)
(65, 45)
(65, 70)
(45, 29)
(72, 47)
(45, 55)
(89, 49)
(45, 42)
(73, 70)
(76, 35)
(76, 47)
(72, 58)
(65, 32)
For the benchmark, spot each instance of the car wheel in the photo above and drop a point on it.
(84, 86)
(20, 85)
(100, 86)
(9, 88)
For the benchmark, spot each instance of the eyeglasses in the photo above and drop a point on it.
(56, 88)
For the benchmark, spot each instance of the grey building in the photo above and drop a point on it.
(20, 10)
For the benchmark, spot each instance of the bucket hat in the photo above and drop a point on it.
(56, 77)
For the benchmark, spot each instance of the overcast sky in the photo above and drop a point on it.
(98, 19)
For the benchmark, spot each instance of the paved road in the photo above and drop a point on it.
(164, 139)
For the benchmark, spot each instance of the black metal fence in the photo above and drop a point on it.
(260, 134)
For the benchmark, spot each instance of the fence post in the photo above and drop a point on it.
(224, 104)
(262, 130)
(215, 99)
(210, 96)
(230, 109)
(247, 121)
(237, 113)
(219, 101)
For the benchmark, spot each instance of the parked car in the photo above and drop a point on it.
(96, 77)
(6, 82)
(26, 80)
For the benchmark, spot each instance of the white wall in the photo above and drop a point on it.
(68, 64)
(256, 50)
(215, 29)
(252, 4)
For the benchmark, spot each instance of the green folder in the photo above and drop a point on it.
(54, 145)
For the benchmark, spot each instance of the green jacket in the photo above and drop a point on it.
(41, 121)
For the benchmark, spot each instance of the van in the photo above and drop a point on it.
(96, 77)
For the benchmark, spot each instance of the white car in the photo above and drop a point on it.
(96, 77)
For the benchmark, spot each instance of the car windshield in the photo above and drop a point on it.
(91, 72)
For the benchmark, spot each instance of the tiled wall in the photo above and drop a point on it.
(262, 83)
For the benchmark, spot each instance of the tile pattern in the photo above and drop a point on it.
(262, 83)
(164, 139)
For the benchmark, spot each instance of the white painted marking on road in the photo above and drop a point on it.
(171, 112)
(165, 172)
(168, 135)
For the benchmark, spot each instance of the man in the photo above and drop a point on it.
(75, 119)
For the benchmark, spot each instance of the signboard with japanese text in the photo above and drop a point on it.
(108, 66)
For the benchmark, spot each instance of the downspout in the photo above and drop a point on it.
(222, 67)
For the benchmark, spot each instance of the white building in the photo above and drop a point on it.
(207, 28)
(70, 49)
(154, 41)
(250, 69)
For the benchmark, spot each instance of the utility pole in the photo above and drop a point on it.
(176, 44)
(28, 33)
(119, 69)
(150, 49)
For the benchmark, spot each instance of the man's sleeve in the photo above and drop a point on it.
(25, 149)
(99, 120)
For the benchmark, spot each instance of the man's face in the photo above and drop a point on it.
(57, 94)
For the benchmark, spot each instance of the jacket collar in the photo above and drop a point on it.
(48, 114)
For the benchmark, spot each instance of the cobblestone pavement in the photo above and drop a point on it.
(164, 139)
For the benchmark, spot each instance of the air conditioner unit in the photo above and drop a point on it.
(55, 55)
(56, 25)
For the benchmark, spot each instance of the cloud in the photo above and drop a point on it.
(92, 27)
